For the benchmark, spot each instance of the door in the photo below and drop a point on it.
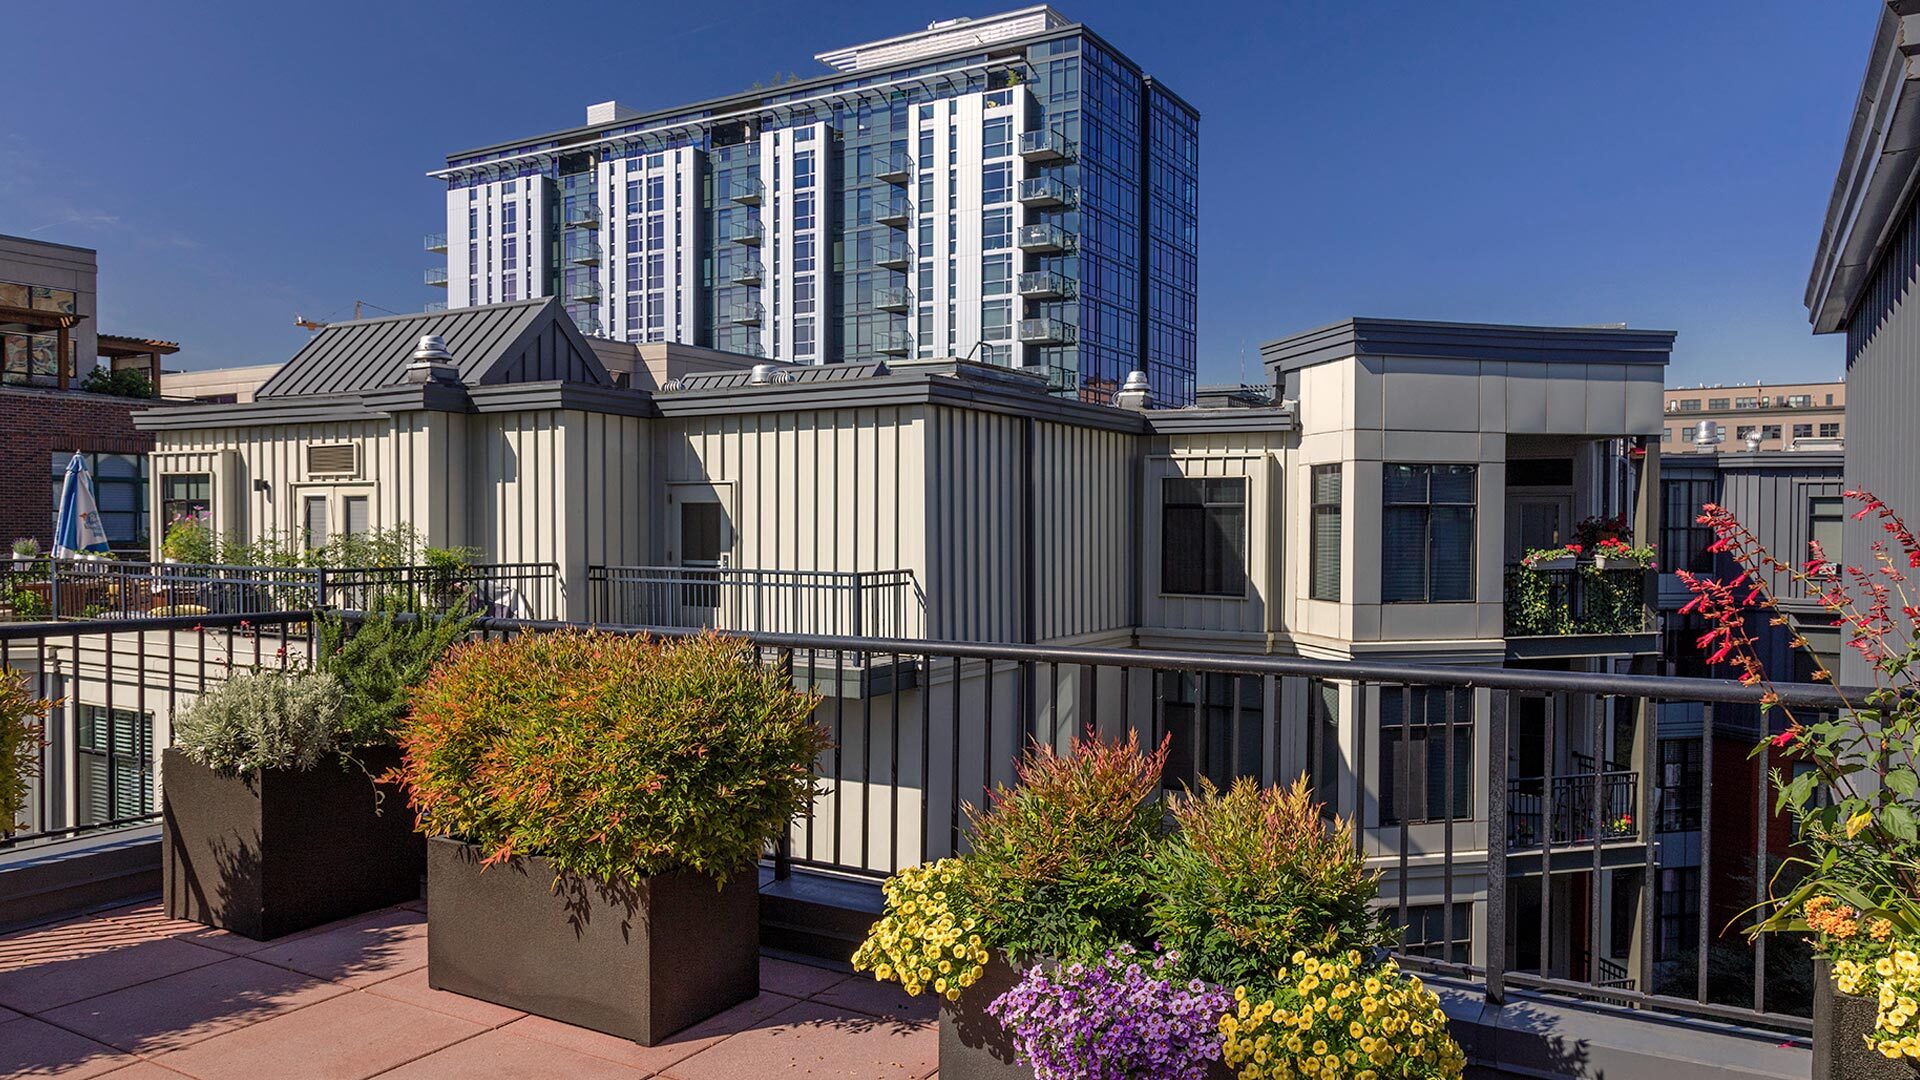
(1537, 521)
(700, 544)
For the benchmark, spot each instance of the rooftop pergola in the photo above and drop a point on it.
(134, 352)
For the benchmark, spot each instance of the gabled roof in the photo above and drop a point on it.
(528, 341)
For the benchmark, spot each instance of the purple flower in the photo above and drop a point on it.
(1114, 1020)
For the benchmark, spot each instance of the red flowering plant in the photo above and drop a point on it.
(1851, 788)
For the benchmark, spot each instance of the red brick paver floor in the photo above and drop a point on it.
(133, 995)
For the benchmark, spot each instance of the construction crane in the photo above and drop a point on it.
(309, 324)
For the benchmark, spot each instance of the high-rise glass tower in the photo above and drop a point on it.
(1010, 188)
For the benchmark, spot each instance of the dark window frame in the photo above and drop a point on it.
(1430, 554)
(1324, 566)
(1214, 520)
(1429, 716)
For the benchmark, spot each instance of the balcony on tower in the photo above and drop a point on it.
(748, 232)
(893, 343)
(747, 191)
(1048, 332)
(584, 291)
(893, 256)
(892, 299)
(581, 250)
(1045, 147)
(746, 314)
(437, 275)
(1045, 192)
(1044, 239)
(895, 212)
(436, 242)
(747, 272)
(583, 216)
(894, 167)
(1045, 285)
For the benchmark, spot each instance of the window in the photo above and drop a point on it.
(115, 762)
(1799, 401)
(1687, 434)
(1666, 435)
(1325, 539)
(1826, 518)
(1691, 404)
(1428, 538)
(996, 138)
(996, 183)
(1682, 539)
(358, 519)
(1679, 793)
(1747, 403)
(1426, 932)
(1203, 536)
(1209, 737)
(1715, 404)
(119, 489)
(1830, 431)
(313, 520)
(1803, 431)
(1323, 735)
(1679, 910)
(185, 495)
(1769, 431)
(1424, 790)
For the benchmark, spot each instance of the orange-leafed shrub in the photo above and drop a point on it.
(614, 757)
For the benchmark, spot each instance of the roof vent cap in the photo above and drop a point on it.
(768, 374)
(1134, 393)
(432, 363)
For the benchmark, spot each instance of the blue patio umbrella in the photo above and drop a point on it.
(78, 528)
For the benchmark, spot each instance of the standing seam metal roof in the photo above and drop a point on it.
(349, 357)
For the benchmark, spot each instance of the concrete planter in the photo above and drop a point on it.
(638, 962)
(274, 851)
(973, 1045)
(1841, 1023)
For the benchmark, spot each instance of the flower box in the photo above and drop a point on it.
(274, 851)
(1841, 1024)
(639, 962)
(1556, 562)
(974, 1046)
(1617, 562)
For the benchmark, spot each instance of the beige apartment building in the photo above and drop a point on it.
(1756, 416)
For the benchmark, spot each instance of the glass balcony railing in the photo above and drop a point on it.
(747, 314)
(583, 253)
(747, 192)
(1045, 238)
(892, 299)
(747, 232)
(1045, 192)
(1045, 146)
(748, 272)
(437, 275)
(1048, 332)
(436, 242)
(585, 292)
(895, 167)
(893, 343)
(583, 217)
(893, 256)
(896, 213)
(434, 307)
(1045, 285)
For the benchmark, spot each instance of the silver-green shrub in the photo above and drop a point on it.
(266, 720)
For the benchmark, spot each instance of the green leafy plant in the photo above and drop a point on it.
(613, 757)
(120, 382)
(189, 539)
(21, 719)
(263, 720)
(30, 606)
(26, 547)
(380, 660)
(1060, 861)
(1254, 875)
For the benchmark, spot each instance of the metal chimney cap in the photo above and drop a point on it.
(1136, 380)
(762, 374)
(432, 347)
(1135, 393)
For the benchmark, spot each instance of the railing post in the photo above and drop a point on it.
(1496, 934)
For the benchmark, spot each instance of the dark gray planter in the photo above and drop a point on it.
(1841, 1023)
(275, 851)
(973, 1045)
(639, 962)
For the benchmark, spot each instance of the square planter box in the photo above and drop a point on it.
(973, 1045)
(1841, 1023)
(641, 963)
(270, 852)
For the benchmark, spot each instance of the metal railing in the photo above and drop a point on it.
(1568, 803)
(878, 603)
(1544, 602)
(435, 275)
(435, 241)
(95, 589)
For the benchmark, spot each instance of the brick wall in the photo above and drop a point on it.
(36, 424)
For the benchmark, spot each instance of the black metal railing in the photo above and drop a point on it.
(1543, 602)
(926, 730)
(32, 590)
(871, 603)
(1571, 808)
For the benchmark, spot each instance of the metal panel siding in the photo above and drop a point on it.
(1083, 495)
(1227, 454)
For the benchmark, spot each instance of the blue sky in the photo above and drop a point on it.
(1654, 163)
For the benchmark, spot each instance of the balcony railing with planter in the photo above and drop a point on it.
(1580, 807)
(1577, 598)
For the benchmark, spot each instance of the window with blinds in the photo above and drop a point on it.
(358, 518)
(115, 765)
(1427, 540)
(1203, 536)
(313, 520)
(1324, 542)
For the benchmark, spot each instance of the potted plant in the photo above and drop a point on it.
(188, 539)
(1556, 558)
(597, 805)
(272, 819)
(25, 551)
(21, 719)
(1848, 782)
(1617, 554)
